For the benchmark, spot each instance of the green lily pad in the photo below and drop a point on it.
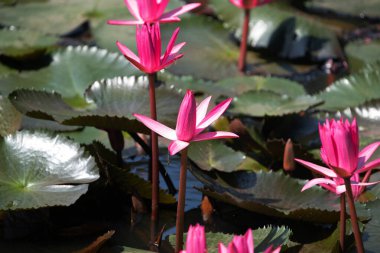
(352, 91)
(71, 72)
(266, 103)
(276, 29)
(361, 53)
(10, 118)
(271, 193)
(214, 155)
(16, 42)
(40, 170)
(210, 54)
(240, 85)
(365, 8)
(110, 104)
(371, 233)
(328, 245)
(262, 238)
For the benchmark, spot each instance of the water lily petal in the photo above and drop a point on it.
(202, 109)
(176, 146)
(213, 115)
(317, 181)
(133, 8)
(186, 119)
(319, 169)
(368, 151)
(214, 135)
(170, 45)
(369, 166)
(130, 56)
(125, 22)
(157, 127)
(180, 10)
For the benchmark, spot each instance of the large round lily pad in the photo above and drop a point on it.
(361, 53)
(110, 104)
(40, 170)
(10, 118)
(271, 194)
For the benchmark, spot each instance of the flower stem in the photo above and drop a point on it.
(342, 221)
(181, 202)
(354, 217)
(243, 43)
(154, 144)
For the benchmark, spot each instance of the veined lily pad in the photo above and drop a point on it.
(39, 170)
(71, 72)
(10, 118)
(281, 33)
(361, 53)
(240, 85)
(371, 233)
(262, 238)
(352, 91)
(111, 103)
(365, 8)
(214, 155)
(271, 194)
(16, 42)
(265, 103)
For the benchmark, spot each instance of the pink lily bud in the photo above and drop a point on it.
(196, 240)
(151, 11)
(148, 40)
(185, 128)
(249, 4)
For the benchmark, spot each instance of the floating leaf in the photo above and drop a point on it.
(215, 155)
(271, 194)
(371, 233)
(10, 118)
(110, 103)
(262, 237)
(352, 91)
(365, 8)
(265, 103)
(361, 53)
(328, 245)
(71, 72)
(242, 84)
(39, 170)
(280, 32)
(210, 53)
(16, 42)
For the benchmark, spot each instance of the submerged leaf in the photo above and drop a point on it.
(271, 194)
(39, 170)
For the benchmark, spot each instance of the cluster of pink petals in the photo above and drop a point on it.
(195, 240)
(151, 11)
(340, 152)
(191, 121)
(196, 243)
(148, 40)
(249, 4)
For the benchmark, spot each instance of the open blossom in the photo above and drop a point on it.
(336, 185)
(340, 152)
(148, 40)
(244, 244)
(191, 121)
(196, 240)
(249, 4)
(151, 11)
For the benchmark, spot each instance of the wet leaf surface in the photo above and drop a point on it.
(10, 118)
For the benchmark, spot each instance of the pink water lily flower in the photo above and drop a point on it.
(195, 240)
(249, 4)
(340, 151)
(191, 121)
(148, 40)
(244, 244)
(151, 11)
(336, 185)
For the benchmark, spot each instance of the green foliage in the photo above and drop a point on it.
(10, 118)
(39, 170)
